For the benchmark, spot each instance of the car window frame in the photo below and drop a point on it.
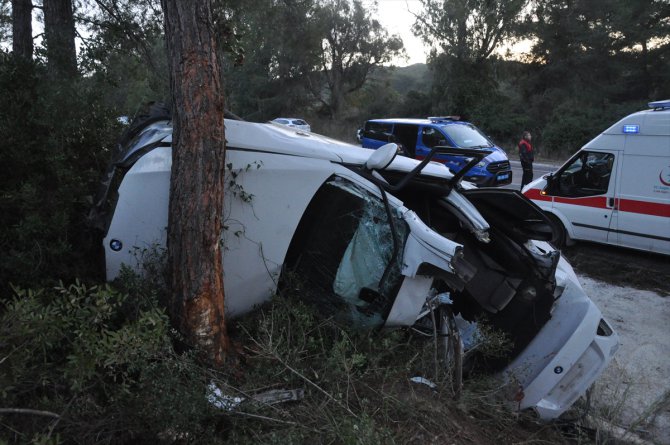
(567, 176)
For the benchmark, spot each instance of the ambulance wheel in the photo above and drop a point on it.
(561, 237)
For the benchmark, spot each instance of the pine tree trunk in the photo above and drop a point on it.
(22, 29)
(197, 183)
(59, 38)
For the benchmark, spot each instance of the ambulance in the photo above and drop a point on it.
(616, 189)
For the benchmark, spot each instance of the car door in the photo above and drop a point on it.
(363, 258)
(345, 255)
(583, 192)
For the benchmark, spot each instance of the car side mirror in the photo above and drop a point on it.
(382, 157)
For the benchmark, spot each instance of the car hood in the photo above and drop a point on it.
(497, 155)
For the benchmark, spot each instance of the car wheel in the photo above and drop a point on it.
(452, 349)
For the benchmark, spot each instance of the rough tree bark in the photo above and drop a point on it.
(197, 184)
(59, 36)
(22, 29)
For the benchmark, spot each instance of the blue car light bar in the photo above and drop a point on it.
(444, 118)
(660, 104)
(632, 129)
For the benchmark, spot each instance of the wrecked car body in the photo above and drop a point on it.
(371, 236)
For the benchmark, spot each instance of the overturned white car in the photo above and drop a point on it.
(372, 236)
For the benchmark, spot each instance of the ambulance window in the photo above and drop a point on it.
(587, 175)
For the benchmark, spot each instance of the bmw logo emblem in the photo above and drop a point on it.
(558, 370)
(115, 245)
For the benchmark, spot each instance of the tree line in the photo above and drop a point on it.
(589, 61)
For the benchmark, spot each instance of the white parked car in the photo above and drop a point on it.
(293, 122)
(375, 237)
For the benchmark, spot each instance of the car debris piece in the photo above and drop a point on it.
(423, 381)
(272, 397)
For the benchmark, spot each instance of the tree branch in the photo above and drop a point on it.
(34, 412)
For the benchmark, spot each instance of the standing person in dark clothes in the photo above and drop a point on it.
(526, 156)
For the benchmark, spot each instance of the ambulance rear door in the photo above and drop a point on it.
(642, 215)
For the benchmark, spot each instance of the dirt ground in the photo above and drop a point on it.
(632, 289)
(622, 267)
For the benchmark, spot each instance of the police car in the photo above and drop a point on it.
(417, 137)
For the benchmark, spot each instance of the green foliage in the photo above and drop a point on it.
(572, 123)
(127, 57)
(352, 45)
(591, 63)
(99, 366)
(292, 347)
(587, 48)
(101, 360)
(415, 104)
(127, 49)
(377, 99)
(55, 142)
(590, 67)
(301, 56)
(468, 30)
(129, 80)
(273, 50)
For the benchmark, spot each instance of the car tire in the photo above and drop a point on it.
(452, 349)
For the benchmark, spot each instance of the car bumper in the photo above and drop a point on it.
(497, 180)
(566, 356)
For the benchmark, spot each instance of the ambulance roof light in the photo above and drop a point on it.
(660, 104)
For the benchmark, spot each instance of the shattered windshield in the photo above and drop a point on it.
(344, 251)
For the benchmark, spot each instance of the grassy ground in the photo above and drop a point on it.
(357, 388)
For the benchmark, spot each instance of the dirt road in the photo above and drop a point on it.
(632, 289)
(622, 267)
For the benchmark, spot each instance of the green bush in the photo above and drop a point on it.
(104, 363)
(55, 144)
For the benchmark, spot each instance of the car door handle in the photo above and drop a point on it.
(612, 203)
